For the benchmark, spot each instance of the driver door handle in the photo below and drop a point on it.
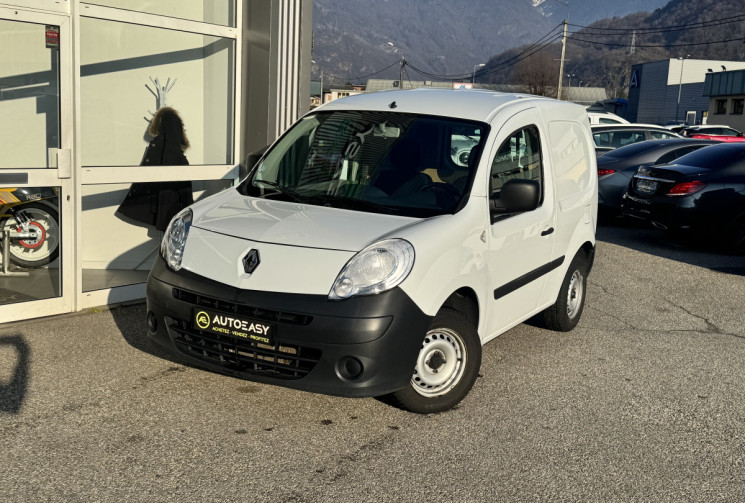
(548, 231)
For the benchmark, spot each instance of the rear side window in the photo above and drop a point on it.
(667, 158)
(661, 135)
(617, 139)
(714, 156)
(519, 157)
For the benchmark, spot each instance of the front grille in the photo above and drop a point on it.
(280, 361)
(240, 309)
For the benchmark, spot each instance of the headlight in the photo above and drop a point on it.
(174, 240)
(377, 268)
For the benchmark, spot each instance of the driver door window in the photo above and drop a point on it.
(519, 157)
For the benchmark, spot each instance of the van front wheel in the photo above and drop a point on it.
(566, 312)
(446, 367)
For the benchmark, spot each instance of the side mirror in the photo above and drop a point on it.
(516, 196)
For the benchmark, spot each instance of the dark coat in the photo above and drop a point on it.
(156, 203)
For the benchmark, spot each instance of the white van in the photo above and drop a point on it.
(605, 118)
(361, 257)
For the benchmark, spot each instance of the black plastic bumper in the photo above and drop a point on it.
(363, 346)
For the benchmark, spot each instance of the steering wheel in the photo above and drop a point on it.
(444, 187)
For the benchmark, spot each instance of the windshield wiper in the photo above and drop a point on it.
(282, 190)
(353, 203)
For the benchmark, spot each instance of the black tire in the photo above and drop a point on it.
(446, 367)
(44, 250)
(567, 310)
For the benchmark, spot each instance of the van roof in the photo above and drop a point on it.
(479, 105)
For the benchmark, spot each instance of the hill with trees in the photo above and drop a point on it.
(602, 53)
(353, 39)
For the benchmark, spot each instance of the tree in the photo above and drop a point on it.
(538, 73)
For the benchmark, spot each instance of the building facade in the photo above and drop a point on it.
(671, 90)
(726, 93)
(86, 94)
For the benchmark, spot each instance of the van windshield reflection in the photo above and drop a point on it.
(382, 162)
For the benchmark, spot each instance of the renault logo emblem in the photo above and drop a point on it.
(251, 261)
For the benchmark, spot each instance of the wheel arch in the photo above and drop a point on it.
(465, 301)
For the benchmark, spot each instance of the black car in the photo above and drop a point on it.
(616, 168)
(702, 194)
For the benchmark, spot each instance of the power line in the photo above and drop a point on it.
(373, 74)
(664, 46)
(664, 29)
(501, 66)
(528, 51)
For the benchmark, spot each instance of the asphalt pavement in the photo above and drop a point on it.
(643, 401)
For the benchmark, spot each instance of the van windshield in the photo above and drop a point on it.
(383, 162)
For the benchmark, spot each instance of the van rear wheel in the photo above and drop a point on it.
(446, 367)
(567, 310)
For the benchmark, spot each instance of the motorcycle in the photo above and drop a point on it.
(29, 219)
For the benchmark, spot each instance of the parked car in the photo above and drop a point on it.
(358, 259)
(724, 134)
(703, 193)
(609, 137)
(616, 168)
(710, 130)
(605, 118)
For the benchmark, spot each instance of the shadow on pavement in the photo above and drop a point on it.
(130, 319)
(13, 391)
(701, 253)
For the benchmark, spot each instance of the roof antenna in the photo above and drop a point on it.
(392, 105)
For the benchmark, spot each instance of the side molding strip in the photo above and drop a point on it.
(527, 278)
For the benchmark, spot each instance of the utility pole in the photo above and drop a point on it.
(563, 51)
(401, 72)
(633, 43)
(473, 76)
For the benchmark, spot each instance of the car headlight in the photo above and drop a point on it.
(378, 268)
(174, 240)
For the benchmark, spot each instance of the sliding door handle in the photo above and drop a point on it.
(548, 231)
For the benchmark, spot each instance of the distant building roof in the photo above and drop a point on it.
(584, 95)
(580, 95)
(729, 83)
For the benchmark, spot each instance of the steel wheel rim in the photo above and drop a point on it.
(441, 363)
(575, 293)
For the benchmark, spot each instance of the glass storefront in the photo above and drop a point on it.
(221, 12)
(29, 93)
(119, 246)
(129, 71)
(30, 231)
(116, 114)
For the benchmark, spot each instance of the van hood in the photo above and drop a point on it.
(295, 224)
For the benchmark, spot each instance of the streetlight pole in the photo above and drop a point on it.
(473, 77)
(680, 84)
(563, 49)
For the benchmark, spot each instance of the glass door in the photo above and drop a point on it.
(35, 165)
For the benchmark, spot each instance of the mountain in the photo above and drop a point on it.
(438, 37)
(601, 54)
(584, 12)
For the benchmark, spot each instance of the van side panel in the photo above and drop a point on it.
(450, 254)
(575, 180)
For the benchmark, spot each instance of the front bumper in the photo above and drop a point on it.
(363, 346)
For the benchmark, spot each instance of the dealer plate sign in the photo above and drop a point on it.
(234, 326)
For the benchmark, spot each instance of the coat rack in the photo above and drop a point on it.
(160, 92)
